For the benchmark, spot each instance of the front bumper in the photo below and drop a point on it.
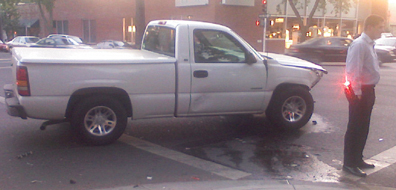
(12, 103)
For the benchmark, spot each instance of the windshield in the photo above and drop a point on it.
(311, 41)
(32, 40)
(160, 40)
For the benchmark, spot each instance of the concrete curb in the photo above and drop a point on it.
(240, 185)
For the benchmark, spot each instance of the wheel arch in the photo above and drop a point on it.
(282, 87)
(118, 93)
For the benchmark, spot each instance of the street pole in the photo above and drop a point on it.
(264, 32)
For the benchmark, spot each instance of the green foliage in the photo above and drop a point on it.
(339, 5)
(299, 4)
(9, 15)
(342, 6)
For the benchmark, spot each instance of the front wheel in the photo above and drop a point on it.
(99, 120)
(291, 108)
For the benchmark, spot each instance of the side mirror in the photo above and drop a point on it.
(250, 59)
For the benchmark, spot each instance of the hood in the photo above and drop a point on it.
(293, 61)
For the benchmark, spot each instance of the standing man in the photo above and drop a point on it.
(362, 74)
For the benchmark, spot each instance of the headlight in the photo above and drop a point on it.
(319, 75)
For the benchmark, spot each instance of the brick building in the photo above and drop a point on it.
(98, 20)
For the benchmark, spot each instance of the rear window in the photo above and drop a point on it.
(160, 40)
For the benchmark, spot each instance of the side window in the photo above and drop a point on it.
(212, 46)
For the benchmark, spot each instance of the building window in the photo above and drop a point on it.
(129, 30)
(89, 31)
(249, 3)
(62, 26)
(186, 3)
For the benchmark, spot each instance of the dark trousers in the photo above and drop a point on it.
(358, 124)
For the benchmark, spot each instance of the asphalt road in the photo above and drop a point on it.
(201, 148)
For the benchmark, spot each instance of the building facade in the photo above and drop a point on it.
(98, 20)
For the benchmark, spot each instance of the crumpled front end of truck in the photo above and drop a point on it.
(287, 67)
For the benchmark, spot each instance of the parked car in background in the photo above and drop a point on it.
(75, 38)
(386, 42)
(323, 49)
(386, 49)
(59, 42)
(113, 44)
(22, 41)
(3, 46)
(386, 35)
(385, 54)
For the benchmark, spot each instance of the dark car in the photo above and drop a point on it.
(59, 42)
(113, 44)
(323, 49)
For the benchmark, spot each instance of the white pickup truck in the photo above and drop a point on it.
(184, 68)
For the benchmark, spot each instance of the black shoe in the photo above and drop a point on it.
(354, 171)
(365, 165)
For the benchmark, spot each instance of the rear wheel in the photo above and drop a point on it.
(99, 120)
(291, 108)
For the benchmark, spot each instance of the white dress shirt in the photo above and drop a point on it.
(362, 65)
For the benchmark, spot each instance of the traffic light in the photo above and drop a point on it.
(264, 6)
(258, 23)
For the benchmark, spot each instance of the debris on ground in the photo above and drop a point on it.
(25, 155)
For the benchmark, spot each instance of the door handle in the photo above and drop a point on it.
(201, 74)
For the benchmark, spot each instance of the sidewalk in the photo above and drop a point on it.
(249, 185)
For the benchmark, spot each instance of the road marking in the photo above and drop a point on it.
(2, 100)
(184, 158)
(381, 161)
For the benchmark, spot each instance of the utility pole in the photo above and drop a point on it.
(264, 9)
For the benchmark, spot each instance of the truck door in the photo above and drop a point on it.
(222, 81)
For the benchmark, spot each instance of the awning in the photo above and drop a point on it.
(28, 22)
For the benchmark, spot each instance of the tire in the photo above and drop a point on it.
(99, 120)
(291, 108)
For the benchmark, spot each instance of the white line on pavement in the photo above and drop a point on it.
(381, 161)
(184, 158)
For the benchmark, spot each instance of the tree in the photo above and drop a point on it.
(304, 27)
(340, 6)
(49, 7)
(9, 16)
